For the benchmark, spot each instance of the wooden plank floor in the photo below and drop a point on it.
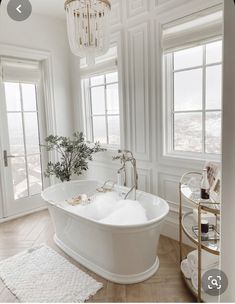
(165, 286)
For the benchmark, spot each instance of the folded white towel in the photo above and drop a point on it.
(209, 260)
(187, 271)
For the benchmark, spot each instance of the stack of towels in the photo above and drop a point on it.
(189, 266)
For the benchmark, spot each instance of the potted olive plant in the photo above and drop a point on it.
(74, 155)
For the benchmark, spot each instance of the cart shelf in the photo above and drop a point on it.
(194, 198)
(212, 246)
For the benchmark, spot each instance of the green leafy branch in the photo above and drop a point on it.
(74, 154)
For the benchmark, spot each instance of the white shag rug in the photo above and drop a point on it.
(41, 275)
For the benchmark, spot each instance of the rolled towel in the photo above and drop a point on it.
(209, 260)
(187, 271)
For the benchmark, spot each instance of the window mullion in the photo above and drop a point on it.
(189, 111)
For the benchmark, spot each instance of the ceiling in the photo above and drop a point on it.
(53, 8)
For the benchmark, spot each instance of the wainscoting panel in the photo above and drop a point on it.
(102, 171)
(169, 187)
(145, 179)
(161, 2)
(136, 7)
(116, 14)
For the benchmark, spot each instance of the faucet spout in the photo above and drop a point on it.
(127, 156)
(133, 188)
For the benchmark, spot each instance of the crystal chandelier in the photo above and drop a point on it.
(88, 27)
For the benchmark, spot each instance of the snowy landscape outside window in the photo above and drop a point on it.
(193, 83)
(101, 104)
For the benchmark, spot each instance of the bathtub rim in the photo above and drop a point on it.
(104, 225)
(113, 277)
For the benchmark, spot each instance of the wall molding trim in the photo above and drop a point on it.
(138, 52)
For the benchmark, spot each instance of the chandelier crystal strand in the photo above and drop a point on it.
(88, 27)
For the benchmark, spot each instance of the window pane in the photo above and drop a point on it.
(19, 177)
(214, 52)
(35, 174)
(12, 92)
(16, 138)
(112, 77)
(112, 99)
(114, 130)
(98, 100)
(97, 80)
(188, 90)
(213, 132)
(99, 129)
(31, 133)
(188, 132)
(188, 58)
(214, 87)
(29, 97)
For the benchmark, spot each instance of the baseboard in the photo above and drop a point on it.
(13, 217)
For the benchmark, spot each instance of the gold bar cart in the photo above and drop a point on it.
(186, 222)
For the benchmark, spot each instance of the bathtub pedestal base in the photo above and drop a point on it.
(113, 277)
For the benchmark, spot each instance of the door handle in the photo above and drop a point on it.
(5, 157)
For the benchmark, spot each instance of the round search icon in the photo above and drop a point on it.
(214, 282)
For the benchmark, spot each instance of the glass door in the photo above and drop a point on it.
(22, 131)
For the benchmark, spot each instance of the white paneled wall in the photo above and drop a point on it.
(138, 63)
(136, 7)
(138, 24)
(47, 34)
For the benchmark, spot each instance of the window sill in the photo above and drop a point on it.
(191, 160)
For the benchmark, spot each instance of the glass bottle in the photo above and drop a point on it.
(205, 186)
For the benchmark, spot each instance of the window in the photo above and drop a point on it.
(194, 99)
(101, 104)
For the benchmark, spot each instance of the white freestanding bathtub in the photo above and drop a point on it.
(121, 254)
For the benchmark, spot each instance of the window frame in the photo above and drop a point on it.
(168, 105)
(87, 106)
